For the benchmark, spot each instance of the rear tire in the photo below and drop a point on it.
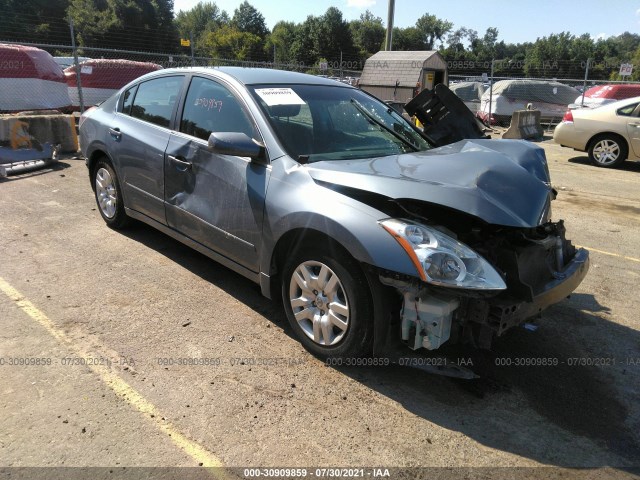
(608, 151)
(328, 303)
(109, 195)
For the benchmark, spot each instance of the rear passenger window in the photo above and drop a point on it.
(211, 107)
(128, 100)
(155, 100)
(628, 110)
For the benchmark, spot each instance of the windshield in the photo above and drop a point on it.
(318, 122)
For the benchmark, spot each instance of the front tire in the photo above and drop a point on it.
(328, 304)
(109, 195)
(607, 151)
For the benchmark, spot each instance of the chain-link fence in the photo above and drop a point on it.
(495, 89)
(35, 76)
(66, 76)
(70, 77)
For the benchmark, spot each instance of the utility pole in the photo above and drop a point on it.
(491, 91)
(193, 58)
(586, 77)
(388, 44)
(77, 65)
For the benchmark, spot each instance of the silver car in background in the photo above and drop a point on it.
(328, 198)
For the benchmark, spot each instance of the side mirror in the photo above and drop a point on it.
(235, 143)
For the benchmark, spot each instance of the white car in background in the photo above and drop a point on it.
(470, 93)
(611, 133)
(507, 96)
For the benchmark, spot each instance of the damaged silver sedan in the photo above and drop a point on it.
(329, 199)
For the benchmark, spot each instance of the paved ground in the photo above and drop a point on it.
(73, 292)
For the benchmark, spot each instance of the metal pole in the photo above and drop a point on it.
(586, 77)
(491, 92)
(274, 54)
(389, 40)
(193, 59)
(340, 64)
(77, 65)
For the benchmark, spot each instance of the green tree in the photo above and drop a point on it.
(247, 19)
(125, 24)
(333, 36)
(282, 38)
(303, 48)
(368, 33)
(455, 40)
(34, 21)
(431, 29)
(550, 57)
(409, 38)
(636, 66)
(230, 43)
(203, 18)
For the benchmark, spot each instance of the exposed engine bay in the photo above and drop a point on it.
(539, 266)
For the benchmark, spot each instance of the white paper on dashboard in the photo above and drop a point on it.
(279, 96)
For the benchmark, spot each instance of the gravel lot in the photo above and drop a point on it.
(75, 290)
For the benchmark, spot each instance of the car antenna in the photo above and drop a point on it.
(303, 159)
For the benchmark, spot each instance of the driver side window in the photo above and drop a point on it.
(211, 107)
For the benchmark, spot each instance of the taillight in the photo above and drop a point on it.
(568, 117)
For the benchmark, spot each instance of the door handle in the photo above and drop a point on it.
(115, 132)
(637, 125)
(180, 161)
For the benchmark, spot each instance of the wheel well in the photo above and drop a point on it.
(290, 242)
(93, 159)
(385, 300)
(593, 139)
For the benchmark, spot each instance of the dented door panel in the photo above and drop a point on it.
(218, 200)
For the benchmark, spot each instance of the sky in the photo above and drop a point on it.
(517, 20)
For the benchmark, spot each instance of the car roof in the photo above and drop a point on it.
(260, 76)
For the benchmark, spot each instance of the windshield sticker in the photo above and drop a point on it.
(279, 96)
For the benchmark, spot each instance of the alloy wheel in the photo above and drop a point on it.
(319, 303)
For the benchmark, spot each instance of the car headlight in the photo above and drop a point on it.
(442, 260)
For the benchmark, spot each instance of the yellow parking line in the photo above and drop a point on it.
(609, 253)
(121, 388)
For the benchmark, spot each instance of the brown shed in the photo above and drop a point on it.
(399, 76)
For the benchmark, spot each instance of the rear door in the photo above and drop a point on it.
(217, 200)
(140, 132)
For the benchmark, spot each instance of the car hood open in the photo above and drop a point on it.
(502, 182)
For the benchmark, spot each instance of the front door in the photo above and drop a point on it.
(217, 200)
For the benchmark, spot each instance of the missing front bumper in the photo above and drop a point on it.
(431, 317)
